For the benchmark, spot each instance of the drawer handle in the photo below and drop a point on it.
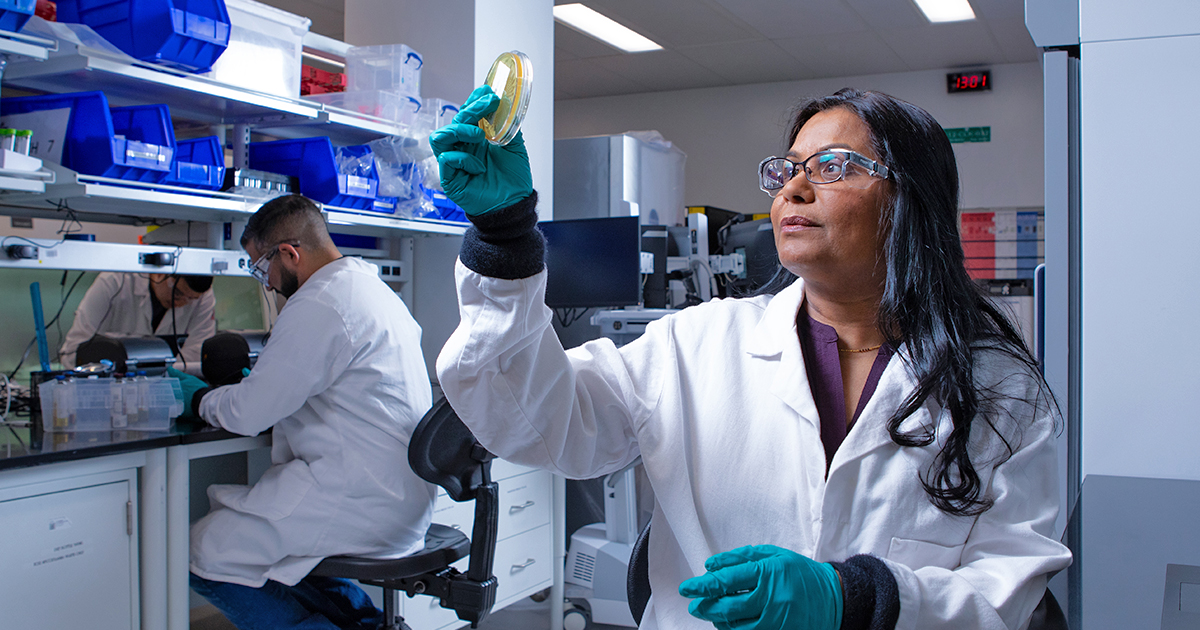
(521, 567)
(517, 508)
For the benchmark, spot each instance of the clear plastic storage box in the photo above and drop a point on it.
(103, 404)
(264, 49)
(392, 68)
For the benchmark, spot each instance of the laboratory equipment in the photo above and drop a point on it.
(511, 78)
(598, 558)
(637, 174)
(129, 353)
(224, 355)
(35, 293)
(592, 262)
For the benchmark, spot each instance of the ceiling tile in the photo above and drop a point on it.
(749, 62)
(1014, 40)
(661, 70)
(581, 46)
(999, 10)
(888, 14)
(944, 45)
(583, 78)
(673, 23)
(783, 19)
(844, 55)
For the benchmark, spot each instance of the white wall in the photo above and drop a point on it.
(727, 131)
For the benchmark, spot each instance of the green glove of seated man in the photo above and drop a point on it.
(477, 175)
(190, 386)
(766, 588)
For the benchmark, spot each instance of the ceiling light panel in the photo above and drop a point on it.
(946, 10)
(602, 28)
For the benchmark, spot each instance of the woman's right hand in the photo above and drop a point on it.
(475, 174)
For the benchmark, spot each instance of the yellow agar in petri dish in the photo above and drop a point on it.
(511, 78)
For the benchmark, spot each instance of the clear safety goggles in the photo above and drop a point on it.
(261, 267)
(825, 167)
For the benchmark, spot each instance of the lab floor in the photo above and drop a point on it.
(523, 615)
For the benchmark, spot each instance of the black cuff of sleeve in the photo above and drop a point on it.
(196, 398)
(505, 243)
(871, 598)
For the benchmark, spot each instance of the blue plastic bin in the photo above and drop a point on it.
(15, 13)
(184, 34)
(312, 161)
(198, 163)
(135, 143)
(447, 210)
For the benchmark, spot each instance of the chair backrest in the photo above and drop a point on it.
(1047, 616)
(443, 451)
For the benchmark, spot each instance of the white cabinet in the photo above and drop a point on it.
(524, 548)
(68, 553)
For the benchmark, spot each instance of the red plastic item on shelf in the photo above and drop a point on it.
(47, 10)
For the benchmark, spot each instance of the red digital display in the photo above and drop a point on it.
(978, 81)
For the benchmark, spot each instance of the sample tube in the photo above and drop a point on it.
(8, 138)
(117, 402)
(23, 138)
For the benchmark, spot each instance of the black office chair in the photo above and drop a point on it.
(442, 451)
(1047, 616)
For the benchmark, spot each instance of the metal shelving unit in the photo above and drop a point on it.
(58, 67)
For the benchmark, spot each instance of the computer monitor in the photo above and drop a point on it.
(756, 241)
(592, 262)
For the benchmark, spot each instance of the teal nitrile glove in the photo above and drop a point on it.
(765, 587)
(476, 174)
(190, 385)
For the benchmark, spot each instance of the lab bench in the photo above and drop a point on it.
(94, 530)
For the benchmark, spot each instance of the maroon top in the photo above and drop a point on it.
(818, 342)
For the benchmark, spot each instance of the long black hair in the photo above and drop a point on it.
(930, 304)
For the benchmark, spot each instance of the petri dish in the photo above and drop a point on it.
(511, 78)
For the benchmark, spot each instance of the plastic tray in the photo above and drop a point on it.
(185, 34)
(198, 163)
(93, 404)
(135, 143)
(264, 49)
(312, 161)
(394, 106)
(15, 13)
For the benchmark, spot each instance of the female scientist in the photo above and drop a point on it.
(870, 446)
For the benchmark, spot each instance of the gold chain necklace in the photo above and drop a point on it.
(849, 350)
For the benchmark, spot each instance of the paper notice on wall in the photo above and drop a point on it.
(49, 127)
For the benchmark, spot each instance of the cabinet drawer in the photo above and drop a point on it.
(524, 503)
(523, 562)
(450, 513)
(424, 611)
(502, 469)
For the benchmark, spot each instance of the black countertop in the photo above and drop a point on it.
(67, 446)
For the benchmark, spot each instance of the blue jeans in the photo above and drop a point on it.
(316, 603)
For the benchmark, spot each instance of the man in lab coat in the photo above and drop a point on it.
(145, 304)
(343, 383)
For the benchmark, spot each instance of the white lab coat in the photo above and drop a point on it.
(716, 401)
(119, 304)
(343, 382)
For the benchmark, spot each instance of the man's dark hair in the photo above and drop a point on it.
(291, 218)
(199, 284)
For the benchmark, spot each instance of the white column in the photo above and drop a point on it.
(178, 475)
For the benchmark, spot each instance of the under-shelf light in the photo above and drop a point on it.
(602, 28)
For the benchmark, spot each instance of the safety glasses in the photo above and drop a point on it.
(824, 167)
